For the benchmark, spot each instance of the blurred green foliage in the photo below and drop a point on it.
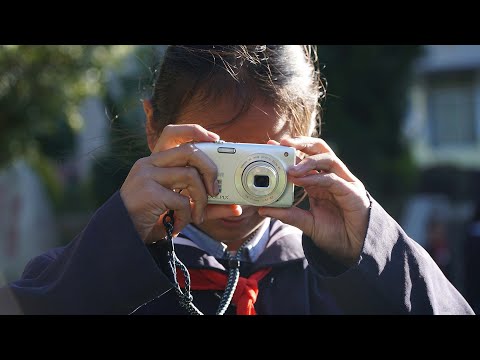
(127, 137)
(41, 87)
(363, 112)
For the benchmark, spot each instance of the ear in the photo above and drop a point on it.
(150, 129)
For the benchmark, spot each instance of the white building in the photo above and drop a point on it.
(443, 129)
(444, 122)
(27, 221)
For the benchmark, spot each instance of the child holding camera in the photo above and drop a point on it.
(344, 255)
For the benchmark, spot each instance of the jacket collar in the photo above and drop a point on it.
(284, 245)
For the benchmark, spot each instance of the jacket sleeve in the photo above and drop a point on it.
(394, 274)
(106, 269)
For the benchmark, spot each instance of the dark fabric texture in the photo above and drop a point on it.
(108, 270)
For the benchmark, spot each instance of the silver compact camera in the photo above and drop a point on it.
(251, 174)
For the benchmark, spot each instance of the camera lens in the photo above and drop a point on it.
(261, 181)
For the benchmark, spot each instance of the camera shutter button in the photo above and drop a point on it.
(226, 150)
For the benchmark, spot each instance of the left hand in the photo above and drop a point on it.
(339, 207)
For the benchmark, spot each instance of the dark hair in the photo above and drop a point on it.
(287, 75)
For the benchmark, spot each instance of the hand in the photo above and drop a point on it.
(148, 191)
(339, 207)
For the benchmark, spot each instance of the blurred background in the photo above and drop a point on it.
(405, 120)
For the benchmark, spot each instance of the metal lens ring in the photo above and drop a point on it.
(261, 179)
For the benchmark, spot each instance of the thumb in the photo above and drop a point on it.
(294, 216)
(211, 212)
(217, 211)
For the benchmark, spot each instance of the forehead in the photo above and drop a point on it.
(259, 123)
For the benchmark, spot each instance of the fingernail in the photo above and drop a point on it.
(216, 189)
(239, 210)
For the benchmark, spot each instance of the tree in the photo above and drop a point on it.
(40, 89)
(363, 112)
(127, 137)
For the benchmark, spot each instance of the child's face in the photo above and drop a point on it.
(259, 124)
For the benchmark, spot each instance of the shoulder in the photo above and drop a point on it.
(280, 230)
(284, 244)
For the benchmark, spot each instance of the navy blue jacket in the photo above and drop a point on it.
(107, 269)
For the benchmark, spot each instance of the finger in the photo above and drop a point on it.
(182, 215)
(214, 211)
(329, 181)
(159, 231)
(295, 216)
(308, 145)
(183, 178)
(181, 221)
(217, 211)
(180, 204)
(272, 142)
(326, 162)
(189, 155)
(174, 135)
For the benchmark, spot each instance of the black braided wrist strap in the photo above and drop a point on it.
(185, 297)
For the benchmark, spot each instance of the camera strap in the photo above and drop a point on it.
(185, 297)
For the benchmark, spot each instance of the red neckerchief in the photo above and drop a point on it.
(245, 293)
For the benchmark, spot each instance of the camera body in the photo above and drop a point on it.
(251, 174)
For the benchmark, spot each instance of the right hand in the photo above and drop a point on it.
(148, 191)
